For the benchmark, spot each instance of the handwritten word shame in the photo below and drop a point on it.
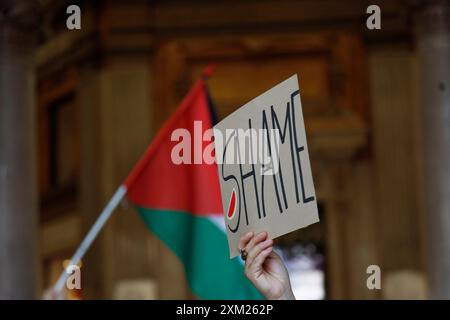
(276, 187)
(253, 200)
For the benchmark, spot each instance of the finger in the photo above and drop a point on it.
(275, 255)
(244, 240)
(258, 261)
(255, 240)
(257, 250)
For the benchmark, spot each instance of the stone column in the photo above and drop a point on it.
(18, 206)
(114, 99)
(433, 39)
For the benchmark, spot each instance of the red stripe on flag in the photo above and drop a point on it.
(157, 183)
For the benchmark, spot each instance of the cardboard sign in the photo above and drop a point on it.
(264, 168)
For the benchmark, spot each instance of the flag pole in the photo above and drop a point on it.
(114, 202)
(92, 234)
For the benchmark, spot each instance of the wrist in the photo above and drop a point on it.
(287, 295)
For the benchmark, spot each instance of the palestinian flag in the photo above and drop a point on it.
(181, 204)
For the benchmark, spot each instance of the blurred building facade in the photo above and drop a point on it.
(79, 107)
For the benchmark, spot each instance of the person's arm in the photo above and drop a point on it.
(264, 268)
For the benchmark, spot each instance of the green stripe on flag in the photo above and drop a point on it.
(202, 247)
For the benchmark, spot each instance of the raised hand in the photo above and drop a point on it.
(264, 268)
